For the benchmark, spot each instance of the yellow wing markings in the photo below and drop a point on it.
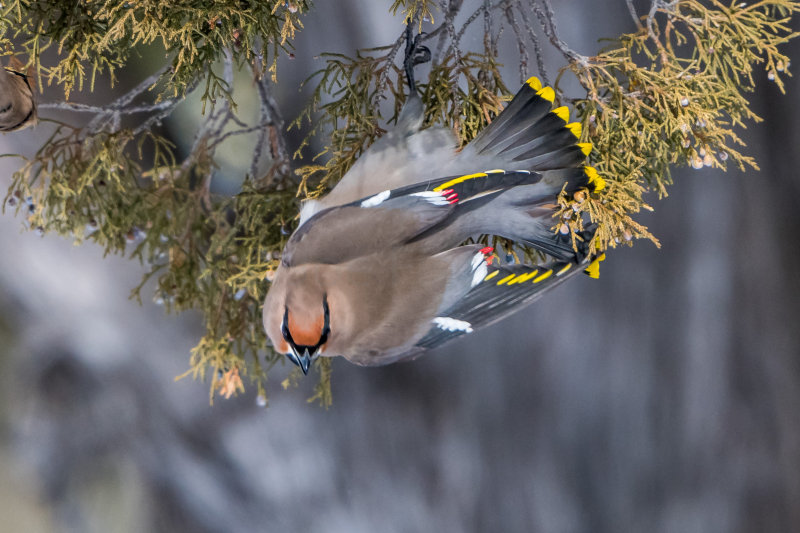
(506, 279)
(458, 180)
(513, 279)
(522, 278)
(564, 269)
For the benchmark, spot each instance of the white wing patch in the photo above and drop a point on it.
(479, 268)
(309, 209)
(452, 324)
(378, 199)
(433, 197)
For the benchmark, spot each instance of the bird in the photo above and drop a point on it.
(377, 270)
(17, 100)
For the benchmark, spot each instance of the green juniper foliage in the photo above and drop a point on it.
(672, 92)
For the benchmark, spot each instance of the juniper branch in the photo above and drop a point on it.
(657, 97)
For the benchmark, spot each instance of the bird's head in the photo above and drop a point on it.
(17, 102)
(297, 319)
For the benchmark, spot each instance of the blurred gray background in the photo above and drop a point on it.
(663, 397)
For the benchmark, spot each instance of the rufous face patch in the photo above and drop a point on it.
(306, 332)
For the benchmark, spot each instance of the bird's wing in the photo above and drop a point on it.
(398, 158)
(393, 217)
(502, 291)
(343, 233)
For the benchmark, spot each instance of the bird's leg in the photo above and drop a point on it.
(415, 55)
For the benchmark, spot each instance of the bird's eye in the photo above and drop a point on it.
(326, 328)
(287, 336)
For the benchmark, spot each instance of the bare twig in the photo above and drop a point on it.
(381, 84)
(634, 16)
(469, 21)
(141, 87)
(241, 131)
(537, 47)
(655, 6)
(262, 134)
(452, 10)
(547, 19)
(523, 50)
(111, 116)
(112, 108)
(489, 41)
(272, 124)
(158, 117)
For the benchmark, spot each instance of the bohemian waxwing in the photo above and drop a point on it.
(376, 271)
(17, 101)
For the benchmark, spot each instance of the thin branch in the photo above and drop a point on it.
(547, 19)
(141, 87)
(99, 122)
(262, 134)
(634, 16)
(221, 138)
(163, 113)
(655, 5)
(452, 10)
(381, 84)
(469, 21)
(489, 41)
(537, 46)
(156, 119)
(112, 108)
(272, 123)
(523, 50)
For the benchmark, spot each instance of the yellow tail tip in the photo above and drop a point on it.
(597, 183)
(534, 83)
(547, 93)
(576, 129)
(562, 113)
(586, 148)
(594, 267)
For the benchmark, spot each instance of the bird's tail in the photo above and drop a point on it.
(531, 134)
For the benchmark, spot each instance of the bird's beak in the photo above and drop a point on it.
(303, 360)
